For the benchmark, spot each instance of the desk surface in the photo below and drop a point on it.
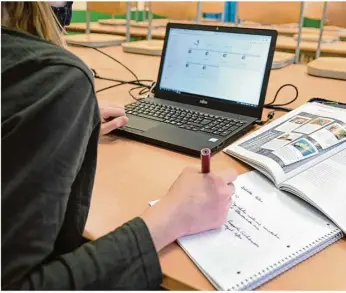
(123, 188)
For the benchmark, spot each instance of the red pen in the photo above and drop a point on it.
(205, 160)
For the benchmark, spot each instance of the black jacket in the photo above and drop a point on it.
(50, 128)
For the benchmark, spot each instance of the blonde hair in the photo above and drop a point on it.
(36, 18)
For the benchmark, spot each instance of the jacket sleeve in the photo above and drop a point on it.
(60, 135)
(121, 260)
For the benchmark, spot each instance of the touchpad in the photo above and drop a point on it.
(140, 123)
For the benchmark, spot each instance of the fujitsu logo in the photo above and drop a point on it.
(204, 102)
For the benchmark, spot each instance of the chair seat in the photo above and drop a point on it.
(328, 67)
(94, 40)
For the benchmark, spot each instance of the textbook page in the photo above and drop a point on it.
(294, 142)
(325, 186)
(264, 227)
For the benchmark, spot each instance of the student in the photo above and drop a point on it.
(62, 11)
(50, 125)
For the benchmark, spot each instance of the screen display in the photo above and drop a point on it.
(226, 66)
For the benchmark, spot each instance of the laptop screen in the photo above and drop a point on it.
(220, 65)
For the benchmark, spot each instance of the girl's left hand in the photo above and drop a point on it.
(117, 115)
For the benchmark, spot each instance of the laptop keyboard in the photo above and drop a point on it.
(184, 118)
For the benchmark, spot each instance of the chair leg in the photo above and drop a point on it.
(87, 20)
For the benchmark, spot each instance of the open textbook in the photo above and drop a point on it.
(304, 153)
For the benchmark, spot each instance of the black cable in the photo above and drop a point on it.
(280, 108)
(114, 59)
(109, 87)
(145, 87)
(137, 82)
(143, 91)
(278, 91)
(130, 92)
(134, 82)
(270, 116)
(109, 56)
(123, 82)
(271, 105)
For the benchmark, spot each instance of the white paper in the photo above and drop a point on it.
(264, 226)
(325, 186)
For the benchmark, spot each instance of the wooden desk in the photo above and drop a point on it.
(123, 188)
(138, 32)
(287, 44)
(155, 23)
(290, 30)
(337, 49)
(135, 31)
(283, 30)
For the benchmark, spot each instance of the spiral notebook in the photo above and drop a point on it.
(267, 232)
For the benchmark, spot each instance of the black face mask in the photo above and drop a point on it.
(64, 14)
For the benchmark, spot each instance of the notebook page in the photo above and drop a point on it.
(264, 226)
(324, 185)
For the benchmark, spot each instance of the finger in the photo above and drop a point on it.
(106, 104)
(113, 124)
(229, 204)
(116, 106)
(192, 169)
(231, 189)
(227, 192)
(112, 112)
(228, 175)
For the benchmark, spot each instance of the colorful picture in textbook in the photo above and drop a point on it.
(299, 120)
(305, 147)
(321, 121)
(287, 137)
(330, 135)
(338, 131)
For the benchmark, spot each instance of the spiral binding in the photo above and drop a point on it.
(288, 262)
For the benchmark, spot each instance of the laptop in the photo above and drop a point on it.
(210, 89)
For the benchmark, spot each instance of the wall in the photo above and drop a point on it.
(175, 10)
(263, 12)
(79, 5)
(269, 12)
(336, 13)
(185, 10)
(288, 12)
